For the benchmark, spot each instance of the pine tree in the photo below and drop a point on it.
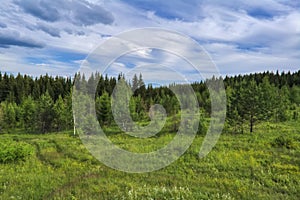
(45, 113)
(60, 121)
(29, 114)
(267, 99)
(103, 109)
(249, 102)
(141, 87)
(69, 110)
(1, 119)
(120, 104)
(86, 122)
(232, 115)
(19, 89)
(295, 95)
(9, 115)
(132, 108)
(282, 104)
(135, 83)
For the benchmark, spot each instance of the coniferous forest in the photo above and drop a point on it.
(44, 104)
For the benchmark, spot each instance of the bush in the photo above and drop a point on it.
(282, 141)
(12, 151)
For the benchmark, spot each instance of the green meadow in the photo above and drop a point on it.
(260, 165)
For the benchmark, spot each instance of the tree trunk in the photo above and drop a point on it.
(251, 124)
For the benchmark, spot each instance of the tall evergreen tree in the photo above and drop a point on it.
(135, 83)
(9, 115)
(29, 114)
(60, 121)
(103, 109)
(250, 102)
(45, 113)
(267, 99)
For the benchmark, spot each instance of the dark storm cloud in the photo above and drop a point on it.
(14, 39)
(78, 12)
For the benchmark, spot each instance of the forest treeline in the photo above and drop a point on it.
(44, 104)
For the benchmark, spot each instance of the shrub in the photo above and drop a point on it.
(283, 141)
(12, 151)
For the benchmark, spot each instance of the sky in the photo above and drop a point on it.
(55, 37)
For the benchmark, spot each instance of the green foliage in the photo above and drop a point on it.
(250, 102)
(47, 101)
(9, 115)
(45, 113)
(29, 114)
(254, 101)
(12, 151)
(84, 108)
(103, 109)
(295, 94)
(283, 141)
(282, 104)
(243, 166)
(267, 97)
(61, 115)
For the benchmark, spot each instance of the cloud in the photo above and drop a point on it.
(170, 9)
(249, 42)
(191, 11)
(13, 38)
(85, 13)
(41, 9)
(77, 12)
(35, 62)
(240, 36)
(75, 32)
(232, 60)
(2, 25)
(54, 32)
(165, 50)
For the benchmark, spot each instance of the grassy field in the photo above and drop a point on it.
(263, 165)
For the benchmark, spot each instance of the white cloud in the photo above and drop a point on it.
(238, 36)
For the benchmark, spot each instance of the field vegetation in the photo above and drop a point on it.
(256, 157)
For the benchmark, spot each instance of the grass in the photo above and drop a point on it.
(262, 165)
